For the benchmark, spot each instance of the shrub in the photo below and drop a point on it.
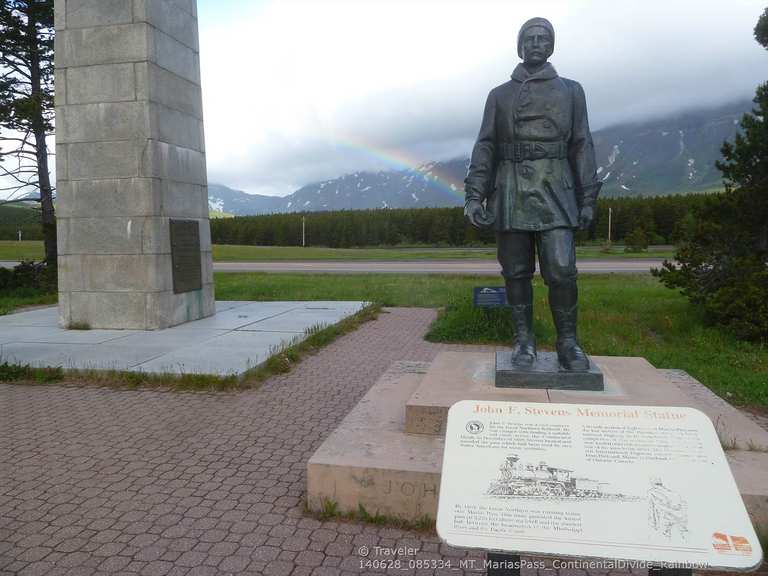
(637, 241)
(28, 275)
(742, 306)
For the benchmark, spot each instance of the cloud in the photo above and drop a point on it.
(299, 91)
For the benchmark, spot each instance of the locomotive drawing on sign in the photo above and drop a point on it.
(521, 479)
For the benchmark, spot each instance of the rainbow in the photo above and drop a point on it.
(398, 160)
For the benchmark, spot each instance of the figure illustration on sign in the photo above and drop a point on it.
(667, 511)
(521, 479)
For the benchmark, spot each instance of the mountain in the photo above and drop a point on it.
(433, 184)
(671, 155)
(230, 201)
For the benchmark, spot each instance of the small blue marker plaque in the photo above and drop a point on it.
(489, 296)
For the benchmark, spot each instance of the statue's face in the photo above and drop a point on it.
(537, 45)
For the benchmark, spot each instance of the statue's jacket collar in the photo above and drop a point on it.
(521, 74)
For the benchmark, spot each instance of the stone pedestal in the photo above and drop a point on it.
(387, 453)
(130, 158)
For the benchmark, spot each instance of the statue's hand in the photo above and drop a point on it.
(475, 213)
(586, 217)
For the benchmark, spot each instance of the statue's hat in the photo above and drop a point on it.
(529, 24)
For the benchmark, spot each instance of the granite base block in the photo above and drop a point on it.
(387, 453)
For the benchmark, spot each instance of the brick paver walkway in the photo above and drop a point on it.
(99, 481)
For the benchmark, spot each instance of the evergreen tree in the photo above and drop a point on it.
(26, 107)
(761, 30)
(724, 265)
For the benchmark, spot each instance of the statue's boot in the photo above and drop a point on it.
(563, 300)
(520, 299)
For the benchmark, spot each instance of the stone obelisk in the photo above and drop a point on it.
(132, 199)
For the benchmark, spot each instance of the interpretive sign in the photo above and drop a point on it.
(489, 296)
(185, 255)
(636, 483)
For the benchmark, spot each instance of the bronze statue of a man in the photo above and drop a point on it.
(532, 176)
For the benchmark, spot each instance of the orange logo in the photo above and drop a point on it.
(727, 544)
(741, 544)
(720, 543)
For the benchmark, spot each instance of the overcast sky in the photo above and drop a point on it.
(297, 91)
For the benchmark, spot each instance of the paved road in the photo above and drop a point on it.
(465, 266)
(459, 266)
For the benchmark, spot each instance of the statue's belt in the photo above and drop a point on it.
(532, 150)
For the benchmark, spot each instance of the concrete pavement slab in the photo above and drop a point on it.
(218, 345)
(203, 360)
(224, 305)
(238, 317)
(56, 335)
(169, 338)
(80, 356)
(232, 353)
(48, 316)
(298, 320)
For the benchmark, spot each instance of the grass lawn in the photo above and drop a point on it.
(387, 289)
(24, 297)
(621, 315)
(33, 250)
(617, 251)
(24, 250)
(227, 253)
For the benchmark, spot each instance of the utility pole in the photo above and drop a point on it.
(610, 211)
(303, 231)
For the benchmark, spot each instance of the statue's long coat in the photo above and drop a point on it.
(542, 193)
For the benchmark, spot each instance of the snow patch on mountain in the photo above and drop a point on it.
(613, 155)
(216, 204)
